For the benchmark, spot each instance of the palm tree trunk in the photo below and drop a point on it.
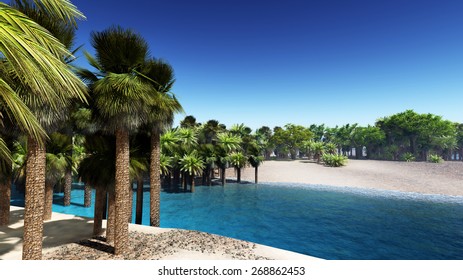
(256, 174)
(155, 180)
(139, 204)
(48, 201)
(185, 181)
(238, 176)
(110, 222)
(192, 183)
(121, 237)
(34, 201)
(130, 203)
(100, 197)
(88, 197)
(67, 186)
(5, 198)
(222, 176)
(209, 177)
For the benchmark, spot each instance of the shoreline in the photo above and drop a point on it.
(411, 177)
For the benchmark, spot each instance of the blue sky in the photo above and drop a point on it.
(277, 62)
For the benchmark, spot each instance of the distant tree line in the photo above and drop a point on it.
(404, 136)
(407, 136)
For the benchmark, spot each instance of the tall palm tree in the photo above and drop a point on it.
(120, 98)
(39, 77)
(160, 75)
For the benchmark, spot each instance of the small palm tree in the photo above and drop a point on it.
(238, 160)
(318, 149)
(58, 161)
(193, 165)
(100, 157)
(226, 143)
(255, 158)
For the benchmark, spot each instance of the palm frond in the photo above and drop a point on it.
(62, 9)
(34, 55)
(18, 112)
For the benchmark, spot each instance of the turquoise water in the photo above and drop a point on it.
(326, 222)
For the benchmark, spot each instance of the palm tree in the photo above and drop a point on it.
(120, 98)
(318, 149)
(193, 165)
(226, 143)
(238, 160)
(255, 158)
(38, 77)
(58, 160)
(160, 76)
(100, 157)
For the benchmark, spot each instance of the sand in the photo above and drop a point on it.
(444, 178)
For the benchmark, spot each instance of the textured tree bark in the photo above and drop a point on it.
(5, 198)
(110, 223)
(88, 197)
(130, 203)
(67, 186)
(155, 179)
(121, 234)
(34, 201)
(139, 203)
(48, 201)
(100, 197)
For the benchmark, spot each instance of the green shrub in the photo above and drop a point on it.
(408, 157)
(435, 158)
(334, 160)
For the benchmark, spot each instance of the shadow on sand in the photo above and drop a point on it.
(55, 232)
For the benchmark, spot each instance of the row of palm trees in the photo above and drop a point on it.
(193, 150)
(45, 100)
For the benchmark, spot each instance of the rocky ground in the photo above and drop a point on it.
(145, 246)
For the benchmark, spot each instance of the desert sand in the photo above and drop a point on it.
(444, 178)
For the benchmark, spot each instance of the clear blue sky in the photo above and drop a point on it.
(302, 62)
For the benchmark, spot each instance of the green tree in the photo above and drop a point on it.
(193, 165)
(34, 61)
(238, 160)
(160, 76)
(121, 97)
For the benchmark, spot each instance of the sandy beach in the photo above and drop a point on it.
(422, 177)
(68, 236)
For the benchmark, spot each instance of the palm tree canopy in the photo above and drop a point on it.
(192, 163)
(32, 57)
(119, 50)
